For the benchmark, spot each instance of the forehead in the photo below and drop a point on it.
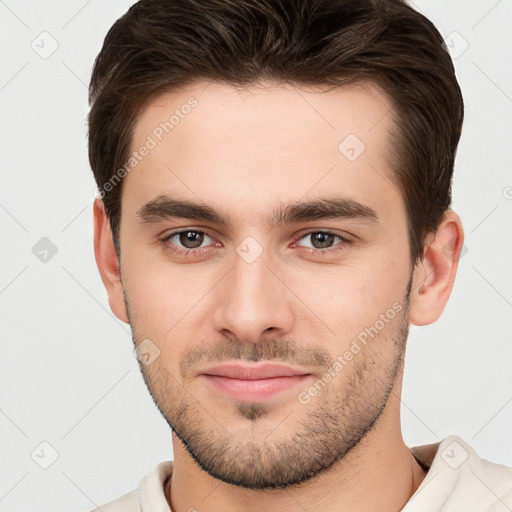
(213, 107)
(262, 143)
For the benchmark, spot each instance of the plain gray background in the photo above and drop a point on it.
(68, 374)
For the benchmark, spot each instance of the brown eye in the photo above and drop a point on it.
(191, 239)
(323, 243)
(187, 239)
(322, 240)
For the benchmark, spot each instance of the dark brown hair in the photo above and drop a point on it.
(163, 45)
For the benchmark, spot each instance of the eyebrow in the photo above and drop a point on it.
(164, 207)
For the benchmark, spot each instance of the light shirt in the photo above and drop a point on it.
(458, 480)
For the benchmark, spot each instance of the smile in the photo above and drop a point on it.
(253, 383)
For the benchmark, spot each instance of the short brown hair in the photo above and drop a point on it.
(162, 45)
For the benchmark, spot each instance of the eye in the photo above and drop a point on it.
(186, 240)
(319, 241)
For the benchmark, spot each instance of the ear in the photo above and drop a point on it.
(434, 276)
(107, 261)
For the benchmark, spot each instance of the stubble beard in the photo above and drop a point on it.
(327, 428)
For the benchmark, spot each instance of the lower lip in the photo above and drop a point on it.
(254, 390)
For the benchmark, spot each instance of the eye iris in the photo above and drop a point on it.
(191, 239)
(322, 240)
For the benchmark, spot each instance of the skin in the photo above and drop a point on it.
(243, 152)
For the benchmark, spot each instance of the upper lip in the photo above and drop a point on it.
(253, 371)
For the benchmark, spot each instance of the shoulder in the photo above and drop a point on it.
(459, 479)
(150, 495)
(460, 457)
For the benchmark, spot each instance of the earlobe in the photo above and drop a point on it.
(435, 275)
(107, 261)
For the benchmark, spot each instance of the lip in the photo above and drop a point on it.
(254, 371)
(253, 382)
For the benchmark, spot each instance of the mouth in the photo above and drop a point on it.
(253, 382)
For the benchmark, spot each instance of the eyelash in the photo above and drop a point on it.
(195, 252)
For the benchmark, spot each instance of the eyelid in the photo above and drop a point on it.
(166, 240)
(328, 231)
(345, 240)
(177, 231)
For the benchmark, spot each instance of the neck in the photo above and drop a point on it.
(380, 473)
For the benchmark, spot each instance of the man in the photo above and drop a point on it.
(274, 183)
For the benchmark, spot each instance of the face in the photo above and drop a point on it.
(266, 273)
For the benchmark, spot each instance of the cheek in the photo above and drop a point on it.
(166, 299)
(348, 298)
(158, 312)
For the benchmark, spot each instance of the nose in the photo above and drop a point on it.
(253, 300)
